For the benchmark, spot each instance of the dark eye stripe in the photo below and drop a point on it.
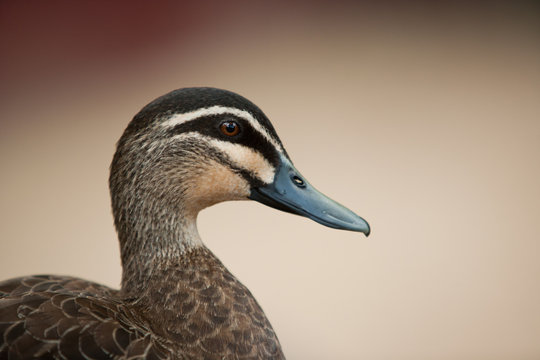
(210, 126)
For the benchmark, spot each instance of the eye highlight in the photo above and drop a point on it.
(229, 128)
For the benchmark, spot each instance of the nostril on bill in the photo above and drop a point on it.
(298, 181)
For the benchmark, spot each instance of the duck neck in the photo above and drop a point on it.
(151, 244)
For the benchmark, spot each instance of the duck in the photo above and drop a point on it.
(183, 152)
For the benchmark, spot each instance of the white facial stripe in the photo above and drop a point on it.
(246, 158)
(178, 119)
(240, 155)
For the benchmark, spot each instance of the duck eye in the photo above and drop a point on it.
(229, 128)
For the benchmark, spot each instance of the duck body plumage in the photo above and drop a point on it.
(199, 310)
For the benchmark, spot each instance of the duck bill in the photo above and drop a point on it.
(290, 192)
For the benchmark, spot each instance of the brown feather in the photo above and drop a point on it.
(203, 313)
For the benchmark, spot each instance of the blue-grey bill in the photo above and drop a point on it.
(290, 192)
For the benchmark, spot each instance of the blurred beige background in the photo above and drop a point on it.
(425, 119)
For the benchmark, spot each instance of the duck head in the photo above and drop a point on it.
(195, 147)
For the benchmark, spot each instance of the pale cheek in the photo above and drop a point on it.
(216, 183)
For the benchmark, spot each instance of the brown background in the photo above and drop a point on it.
(424, 119)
